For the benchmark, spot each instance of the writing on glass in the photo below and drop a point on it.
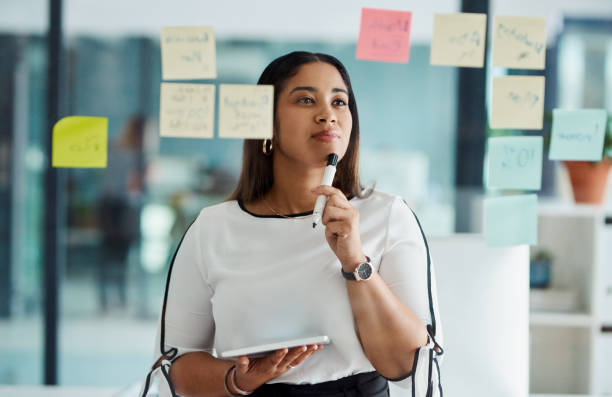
(89, 144)
(248, 114)
(583, 136)
(187, 110)
(392, 40)
(526, 98)
(517, 157)
(191, 54)
(468, 43)
(528, 45)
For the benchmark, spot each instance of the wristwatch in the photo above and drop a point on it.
(363, 272)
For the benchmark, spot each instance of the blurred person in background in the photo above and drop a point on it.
(119, 209)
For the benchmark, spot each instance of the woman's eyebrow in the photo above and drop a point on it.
(313, 89)
(303, 88)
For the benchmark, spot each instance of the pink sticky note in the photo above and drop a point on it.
(384, 35)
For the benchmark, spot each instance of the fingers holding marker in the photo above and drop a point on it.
(338, 228)
(333, 214)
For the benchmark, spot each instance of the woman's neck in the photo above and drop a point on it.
(291, 193)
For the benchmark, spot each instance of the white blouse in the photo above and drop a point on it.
(241, 279)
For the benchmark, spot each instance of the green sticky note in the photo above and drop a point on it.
(515, 162)
(578, 135)
(80, 142)
(511, 220)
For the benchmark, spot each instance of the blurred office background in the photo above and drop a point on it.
(423, 137)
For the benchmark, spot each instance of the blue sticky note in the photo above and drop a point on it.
(578, 135)
(515, 162)
(511, 220)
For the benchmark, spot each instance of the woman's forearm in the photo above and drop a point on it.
(390, 332)
(199, 374)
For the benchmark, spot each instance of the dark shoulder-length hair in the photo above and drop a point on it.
(257, 176)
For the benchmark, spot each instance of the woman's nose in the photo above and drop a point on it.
(326, 115)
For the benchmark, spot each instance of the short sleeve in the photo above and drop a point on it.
(407, 269)
(189, 322)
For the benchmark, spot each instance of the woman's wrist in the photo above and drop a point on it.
(350, 265)
(231, 387)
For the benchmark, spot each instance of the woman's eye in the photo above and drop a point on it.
(339, 102)
(305, 100)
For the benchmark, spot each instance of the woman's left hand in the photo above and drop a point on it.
(341, 222)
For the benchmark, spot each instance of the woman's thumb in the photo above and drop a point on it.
(242, 364)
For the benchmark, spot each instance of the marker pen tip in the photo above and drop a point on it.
(313, 225)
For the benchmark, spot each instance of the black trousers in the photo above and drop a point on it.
(367, 384)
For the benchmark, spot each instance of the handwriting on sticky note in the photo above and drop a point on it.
(511, 220)
(578, 135)
(246, 111)
(188, 52)
(80, 142)
(515, 162)
(519, 42)
(384, 35)
(518, 102)
(187, 110)
(458, 39)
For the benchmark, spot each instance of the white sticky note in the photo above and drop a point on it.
(458, 40)
(187, 110)
(518, 102)
(519, 42)
(188, 53)
(578, 135)
(515, 162)
(511, 220)
(246, 111)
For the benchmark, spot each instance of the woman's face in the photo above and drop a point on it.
(312, 115)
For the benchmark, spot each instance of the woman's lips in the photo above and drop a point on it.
(326, 136)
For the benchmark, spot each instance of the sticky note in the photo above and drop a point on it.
(80, 142)
(511, 220)
(187, 110)
(518, 102)
(519, 42)
(246, 111)
(384, 35)
(578, 135)
(515, 162)
(188, 52)
(458, 40)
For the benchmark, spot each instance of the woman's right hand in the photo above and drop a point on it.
(254, 372)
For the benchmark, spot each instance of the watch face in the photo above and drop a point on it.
(364, 271)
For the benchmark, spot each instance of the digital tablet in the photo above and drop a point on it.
(264, 350)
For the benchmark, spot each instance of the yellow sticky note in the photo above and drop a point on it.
(519, 42)
(518, 102)
(187, 110)
(246, 111)
(458, 40)
(80, 142)
(188, 52)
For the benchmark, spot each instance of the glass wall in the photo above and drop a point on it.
(115, 282)
(124, 221)
(23, 64)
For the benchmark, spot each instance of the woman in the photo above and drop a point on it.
(252, 269)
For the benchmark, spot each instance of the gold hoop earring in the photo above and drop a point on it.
(265, 149)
